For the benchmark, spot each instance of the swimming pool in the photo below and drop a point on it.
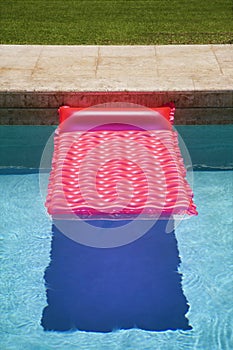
(205, 245)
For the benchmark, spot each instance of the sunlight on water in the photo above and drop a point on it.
(205, 245)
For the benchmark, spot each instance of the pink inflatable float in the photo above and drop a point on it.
(113, 163)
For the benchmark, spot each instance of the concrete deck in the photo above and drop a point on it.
(36, 80)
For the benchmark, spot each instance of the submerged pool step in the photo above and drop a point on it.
(210, 146)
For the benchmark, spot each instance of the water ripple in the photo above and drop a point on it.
(205, 246)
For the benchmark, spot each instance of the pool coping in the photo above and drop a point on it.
(37, 79)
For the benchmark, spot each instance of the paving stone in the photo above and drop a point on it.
(198, 78)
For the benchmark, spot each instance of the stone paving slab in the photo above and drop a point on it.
(198, 78)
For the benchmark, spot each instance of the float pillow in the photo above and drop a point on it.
(167, 111)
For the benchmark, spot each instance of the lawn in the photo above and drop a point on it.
(116, 22)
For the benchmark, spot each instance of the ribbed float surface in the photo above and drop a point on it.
(118, 174)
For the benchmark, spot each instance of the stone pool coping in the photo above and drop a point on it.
(36, 79)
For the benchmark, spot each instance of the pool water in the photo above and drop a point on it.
(205, 244)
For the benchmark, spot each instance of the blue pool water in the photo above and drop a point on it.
(205, 244)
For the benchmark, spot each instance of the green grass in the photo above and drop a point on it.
(76, 22)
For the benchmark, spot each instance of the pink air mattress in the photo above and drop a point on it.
(114, 164)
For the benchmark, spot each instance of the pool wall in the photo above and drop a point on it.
(192, 107)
